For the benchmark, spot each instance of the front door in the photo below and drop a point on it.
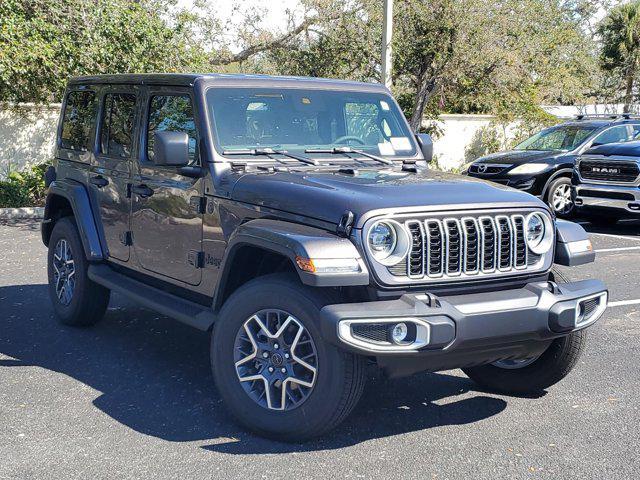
(111, 172)
(165, 220)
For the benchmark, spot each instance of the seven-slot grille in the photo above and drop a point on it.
(603, 171)
(451, 247)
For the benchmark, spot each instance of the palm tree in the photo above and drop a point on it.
(620, 32)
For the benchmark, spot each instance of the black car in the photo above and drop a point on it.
(296, 220)
(543, 164)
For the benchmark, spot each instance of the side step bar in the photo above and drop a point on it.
(162, 302)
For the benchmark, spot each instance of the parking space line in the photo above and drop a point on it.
(617, 249)
(623, 302)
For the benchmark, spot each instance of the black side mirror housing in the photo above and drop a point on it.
(426, 146)
(171, 148)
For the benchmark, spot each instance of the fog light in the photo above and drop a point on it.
(399, 332)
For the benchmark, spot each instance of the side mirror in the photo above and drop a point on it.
(426, 146)
(171, 148)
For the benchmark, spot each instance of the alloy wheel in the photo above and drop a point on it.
(561, 199)
(64, 272)
(276, 360)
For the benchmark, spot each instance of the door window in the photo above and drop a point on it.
(77, 120)
(613, 135)
(118, 122)
(171, 113)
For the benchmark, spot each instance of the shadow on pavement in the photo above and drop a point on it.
(623, 227)
(152, 374)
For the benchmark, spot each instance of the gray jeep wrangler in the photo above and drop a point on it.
(296, 219)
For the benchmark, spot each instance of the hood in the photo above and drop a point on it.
(515, 157)
(327, 195)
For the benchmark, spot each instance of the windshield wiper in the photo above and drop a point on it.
(271, 151)
(347, 150)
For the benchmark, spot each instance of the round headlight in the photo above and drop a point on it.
(382, 240)
(539, 233)
(387, 242)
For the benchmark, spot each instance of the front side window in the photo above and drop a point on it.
(118, 125)
(612, 135)
(563, 138)
(297, 120)
(79, 114)
(171, 113)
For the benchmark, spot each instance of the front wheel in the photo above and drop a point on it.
(271, 366)
(559, 197)
(532, 375)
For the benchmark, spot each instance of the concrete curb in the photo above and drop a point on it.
(17, 213)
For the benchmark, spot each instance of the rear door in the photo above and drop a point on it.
(166, 221)
(111, 172)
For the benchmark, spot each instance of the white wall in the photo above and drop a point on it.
(27, 135)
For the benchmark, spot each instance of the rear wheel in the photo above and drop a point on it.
(76, 299)
(271, 366)
(532, 375)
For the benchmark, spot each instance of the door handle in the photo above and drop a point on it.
(142, 190)
(99, 181)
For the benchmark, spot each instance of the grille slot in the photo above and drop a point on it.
(415, 266)
(472, 245)
(520, 244)
(505, 242)
(468, 246)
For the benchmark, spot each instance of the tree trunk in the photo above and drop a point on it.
(628, 94)
(426, 86)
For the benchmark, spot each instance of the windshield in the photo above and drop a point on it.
(566, 138)
(295, 120)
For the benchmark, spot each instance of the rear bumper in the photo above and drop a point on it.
(464, 330)
(623, 198)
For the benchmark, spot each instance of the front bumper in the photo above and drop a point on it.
(465, 330)
(623, 198)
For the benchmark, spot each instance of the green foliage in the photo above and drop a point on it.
(42, 43)
(620, 56)
(25, 188)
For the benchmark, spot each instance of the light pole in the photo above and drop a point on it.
(387, 34)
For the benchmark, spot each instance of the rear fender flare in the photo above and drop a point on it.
(78, 198)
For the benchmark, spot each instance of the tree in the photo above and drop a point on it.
(42, 43)
(620, 31)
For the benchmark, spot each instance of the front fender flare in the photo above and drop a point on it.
(78, 198)
(292, 240)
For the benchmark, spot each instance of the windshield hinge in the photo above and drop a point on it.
(345, 224)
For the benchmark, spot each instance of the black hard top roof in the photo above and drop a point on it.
(238, 80)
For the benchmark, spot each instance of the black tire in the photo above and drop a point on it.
(89, 300)
(340, 375)
(556, 185)
(551, 367)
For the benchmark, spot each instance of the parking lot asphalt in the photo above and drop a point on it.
(133, 397)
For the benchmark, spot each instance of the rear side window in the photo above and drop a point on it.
(118, 124)
(79, 112)
(172, 113)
